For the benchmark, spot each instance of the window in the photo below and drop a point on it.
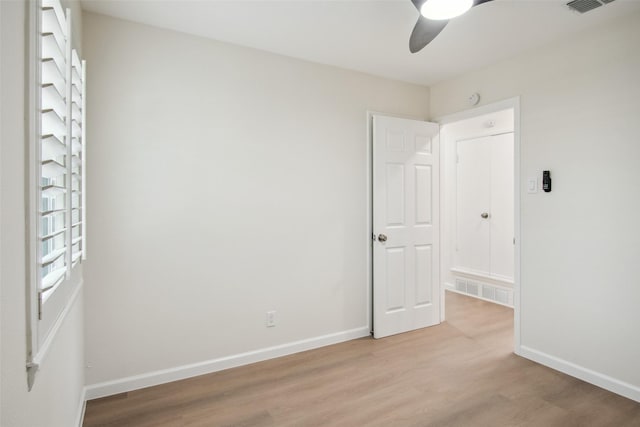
(56, 197)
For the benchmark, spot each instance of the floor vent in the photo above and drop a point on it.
(472, 288)
(485, 291)
(488, 292)
(504, 296)
(584, 6)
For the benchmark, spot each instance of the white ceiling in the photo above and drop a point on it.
(370, 35)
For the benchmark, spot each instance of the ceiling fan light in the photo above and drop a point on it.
(444, 9)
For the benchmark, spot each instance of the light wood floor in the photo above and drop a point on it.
(460, 373)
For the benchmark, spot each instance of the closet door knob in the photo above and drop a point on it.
(484, 215)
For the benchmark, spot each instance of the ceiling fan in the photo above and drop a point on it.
(434, 16)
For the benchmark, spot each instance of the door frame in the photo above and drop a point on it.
(510, 103)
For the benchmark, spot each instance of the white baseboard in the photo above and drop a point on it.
(149, 379)
(81, 408)
(606, 382)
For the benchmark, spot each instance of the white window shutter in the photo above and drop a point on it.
(53, 162)
(77, 160)
(60, 151)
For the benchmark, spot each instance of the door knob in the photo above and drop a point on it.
(382, 238)
(484, 215)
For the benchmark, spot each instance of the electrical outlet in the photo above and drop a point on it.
(271, 319)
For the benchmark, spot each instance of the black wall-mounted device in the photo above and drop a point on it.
(546, 181)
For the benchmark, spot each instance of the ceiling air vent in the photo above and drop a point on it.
(584, 6)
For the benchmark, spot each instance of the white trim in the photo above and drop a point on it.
(505, 282)
(32, 183)
(511, 103)
(82, 407)
(163, 376)
(505, 104)
(596, 378)
(43, 350)
(485, 135)
(368, 221)
(517, 224)
(2, 149)
(83, 203)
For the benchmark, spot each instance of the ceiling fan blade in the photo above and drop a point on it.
(424, 31)
(418, 3)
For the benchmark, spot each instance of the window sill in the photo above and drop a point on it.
(43, 350)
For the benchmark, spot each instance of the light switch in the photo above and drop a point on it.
(532, 185)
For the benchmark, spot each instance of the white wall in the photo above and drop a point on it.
(223, 182)
(56, 398)
(581, 242)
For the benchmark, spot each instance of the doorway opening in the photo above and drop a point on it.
(398, 281)
(480, 214)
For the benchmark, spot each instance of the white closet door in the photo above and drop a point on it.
(502, 199)
(473, 193)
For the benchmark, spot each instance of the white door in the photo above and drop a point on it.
(473, 205)
(484, 206)
(406, 291)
